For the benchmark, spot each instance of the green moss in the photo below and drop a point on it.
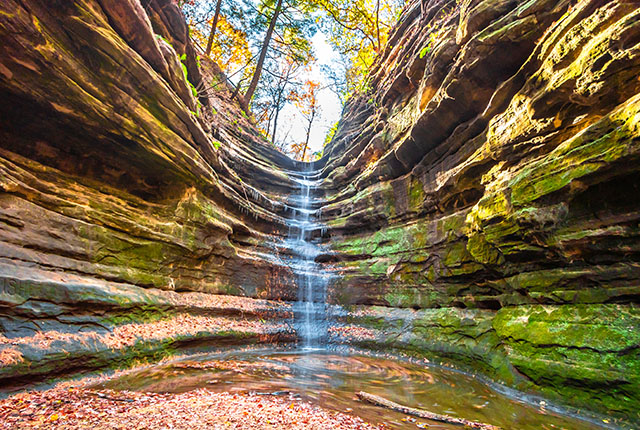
(378, 267)
(431, 273)
(416, 194)
(482, 251)
(452, 226)
(160, 37)
(580, 156)
(390, 203)
(607, 327)
(194, 91)
(411, 297)
(463, 336)
(456, 254)
(386, 242)
(374, 322)
(587, 348)
(139, 315)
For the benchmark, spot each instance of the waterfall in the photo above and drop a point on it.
(310, 311)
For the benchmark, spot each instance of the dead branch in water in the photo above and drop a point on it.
(381, 401)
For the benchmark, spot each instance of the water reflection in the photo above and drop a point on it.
(331, 380)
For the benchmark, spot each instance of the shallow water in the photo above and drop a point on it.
(331, 380)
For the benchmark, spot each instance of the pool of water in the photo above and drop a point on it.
(331, 380)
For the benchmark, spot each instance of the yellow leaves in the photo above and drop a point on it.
(360, 31)
(372, 161)
(230, 46)
(54, 417)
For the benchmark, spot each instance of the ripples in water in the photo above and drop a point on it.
(331, 381)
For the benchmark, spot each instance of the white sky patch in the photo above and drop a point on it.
(293, 125)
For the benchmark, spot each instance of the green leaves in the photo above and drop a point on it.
(359, 30)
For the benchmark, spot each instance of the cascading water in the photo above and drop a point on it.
(310, 311)
(329, 379)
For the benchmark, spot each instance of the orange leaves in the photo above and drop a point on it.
(9, 356)
(194, 410)
(306, 99)
(310, 96)
(297, 149)
(230, 46)
(373, 160)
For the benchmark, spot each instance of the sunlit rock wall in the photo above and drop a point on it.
(488, 182)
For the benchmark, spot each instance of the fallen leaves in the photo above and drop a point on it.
(65, 408)
(236, 304)
(127, 335)
(10, 356)
(233, 365)
(349, 333)
(182, 325)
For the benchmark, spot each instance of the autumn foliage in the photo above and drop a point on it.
(78, 407)
(264, 48)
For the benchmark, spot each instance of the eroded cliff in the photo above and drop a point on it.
(480, 198)
(486, 188)
(124, 201)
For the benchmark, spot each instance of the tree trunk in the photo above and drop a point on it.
(214, 24)
(275, 122)
(282, 86)
(306, 143)
(263, 55)
(268, 123)
(378, 25)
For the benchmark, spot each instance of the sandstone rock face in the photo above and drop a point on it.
(489, 181)
(480, 198)
(117, 189)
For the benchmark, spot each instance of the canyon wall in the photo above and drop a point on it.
(125, 199)
(483, 196)
(480, 196)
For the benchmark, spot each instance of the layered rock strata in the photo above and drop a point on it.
(128, 178)
(482, 195)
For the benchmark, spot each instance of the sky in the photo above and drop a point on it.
(330, 107)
